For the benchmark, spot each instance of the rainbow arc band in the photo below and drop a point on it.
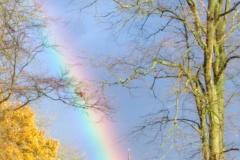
(101, 137)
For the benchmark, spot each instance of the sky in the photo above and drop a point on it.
(80, 35)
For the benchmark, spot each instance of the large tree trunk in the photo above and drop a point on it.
(214, 78)
(216, 131)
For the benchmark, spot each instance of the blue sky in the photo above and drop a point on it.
(92, 38)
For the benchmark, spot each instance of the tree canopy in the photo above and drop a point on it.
(20, 138)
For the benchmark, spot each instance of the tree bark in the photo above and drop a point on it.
(214, 79)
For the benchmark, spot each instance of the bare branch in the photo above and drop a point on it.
(234, 7)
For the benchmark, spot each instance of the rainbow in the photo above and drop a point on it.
(100, 138)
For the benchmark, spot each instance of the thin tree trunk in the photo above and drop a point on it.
(204, 139)
(201, 107)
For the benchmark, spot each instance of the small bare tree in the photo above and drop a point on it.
(69, 153)
(192, 44)
(21, 43)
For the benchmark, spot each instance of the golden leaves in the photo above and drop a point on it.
(20, 138)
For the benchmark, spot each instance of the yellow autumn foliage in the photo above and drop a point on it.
(20, 138)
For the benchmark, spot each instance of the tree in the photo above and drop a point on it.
(69, 153)
(20, 138)
(192, 44)
(22, 45)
